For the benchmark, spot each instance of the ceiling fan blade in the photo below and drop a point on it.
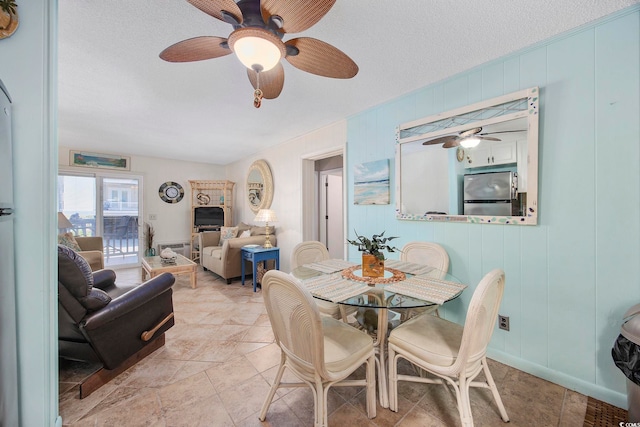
(296, 15)
(453, 143)
(470, 132)
(196, 49)
(488, 138)
(441, 140)
(271, 82)
(215, 7)
(320, 58)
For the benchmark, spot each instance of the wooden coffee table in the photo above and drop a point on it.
(152, 266)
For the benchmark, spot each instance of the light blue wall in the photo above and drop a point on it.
(27, 69)
(570, 278)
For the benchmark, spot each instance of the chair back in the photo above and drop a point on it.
(308, 252)
(426, 253)
(481, 317)
(295, 321)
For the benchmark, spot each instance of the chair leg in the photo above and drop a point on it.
(393, 380)
(494, 390)
(464, 402)
(272, 391)
(321, 397)
(371, 387)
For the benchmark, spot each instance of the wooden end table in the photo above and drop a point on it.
(258, 254)
(152, 266)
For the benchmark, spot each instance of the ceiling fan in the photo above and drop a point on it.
(256, 39)
(468, 138)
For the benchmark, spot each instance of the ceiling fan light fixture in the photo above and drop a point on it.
(470, 142)
(256, 48)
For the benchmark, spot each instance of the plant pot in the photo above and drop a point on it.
(150, 252)
(372, 266)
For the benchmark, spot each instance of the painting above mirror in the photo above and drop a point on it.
(259, 186)
(440, 176)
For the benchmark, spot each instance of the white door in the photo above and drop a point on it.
(330, 212)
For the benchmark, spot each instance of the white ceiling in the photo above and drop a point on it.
(117, 96)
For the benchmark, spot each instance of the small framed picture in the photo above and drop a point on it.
(99, 161)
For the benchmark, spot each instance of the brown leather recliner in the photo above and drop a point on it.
(101, 322)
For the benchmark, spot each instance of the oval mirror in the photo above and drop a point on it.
(259, 186)
(476, 164)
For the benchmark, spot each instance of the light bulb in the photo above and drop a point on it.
(470, 142)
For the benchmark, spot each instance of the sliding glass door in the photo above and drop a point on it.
(106, 205)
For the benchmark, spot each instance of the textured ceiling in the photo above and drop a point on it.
(116, 95)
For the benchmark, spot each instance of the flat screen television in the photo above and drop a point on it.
(208, 216)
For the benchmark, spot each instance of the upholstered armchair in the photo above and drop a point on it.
(92, 251)
(99, 321)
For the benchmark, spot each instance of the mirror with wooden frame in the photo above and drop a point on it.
(259, 186)
(441, 177)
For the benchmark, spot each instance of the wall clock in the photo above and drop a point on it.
(171, 192)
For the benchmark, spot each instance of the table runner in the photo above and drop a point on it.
(408, 267)
(329, 266)
(427, 288)
(334, 287)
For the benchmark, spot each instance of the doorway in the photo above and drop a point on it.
(323, 200)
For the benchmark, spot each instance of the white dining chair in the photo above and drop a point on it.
(425, 253)
(454, 354)
(319, 350)
(314, 251)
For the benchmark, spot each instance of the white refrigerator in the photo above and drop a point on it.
(8, 342)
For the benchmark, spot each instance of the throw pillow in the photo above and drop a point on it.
(242, 227)
(68, 240)
(228, 233)
(261, 231)
(245, 233)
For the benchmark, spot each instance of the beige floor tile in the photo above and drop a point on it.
(220, 359)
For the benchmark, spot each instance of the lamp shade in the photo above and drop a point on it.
(63, 222)
(470, 142)
(257, 48)
(266, 215)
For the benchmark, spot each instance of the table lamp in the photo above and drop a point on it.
(266, 216)
(63, 223)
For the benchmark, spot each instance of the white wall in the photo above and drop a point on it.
(285, 161)
(173, 223)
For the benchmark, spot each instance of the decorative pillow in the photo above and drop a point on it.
(68, 240)
(242, 227)
(245, 233)
(228, 233)
(261, 231)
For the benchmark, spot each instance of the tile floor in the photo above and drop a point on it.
(219, 360)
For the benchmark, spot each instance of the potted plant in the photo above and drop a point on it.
(148, 238)
(372, 252)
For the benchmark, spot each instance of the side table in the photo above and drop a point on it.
(256, 255)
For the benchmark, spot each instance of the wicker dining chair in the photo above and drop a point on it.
(319, 350)
(314, 251)
(425, 253)
(455, 354)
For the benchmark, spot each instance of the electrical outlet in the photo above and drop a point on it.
(503, 322)
(153, 217)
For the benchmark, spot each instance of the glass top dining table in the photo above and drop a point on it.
(404, 286)
(381, 293)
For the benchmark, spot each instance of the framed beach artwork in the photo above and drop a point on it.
(371, 183)
(100, 161)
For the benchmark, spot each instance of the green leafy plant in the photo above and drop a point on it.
(374, 245)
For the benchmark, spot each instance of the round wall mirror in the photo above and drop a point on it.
(259, 186)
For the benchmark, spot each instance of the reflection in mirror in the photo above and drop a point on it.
(259, 186)
(494, 181)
